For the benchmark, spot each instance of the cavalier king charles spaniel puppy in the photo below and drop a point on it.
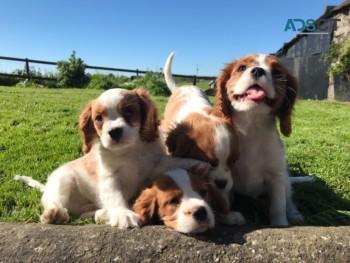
(123, 152)
(255, 91)
(194, 129)
(182, 200)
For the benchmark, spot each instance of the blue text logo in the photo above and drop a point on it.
(308, 26)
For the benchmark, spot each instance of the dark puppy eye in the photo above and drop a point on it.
(214, 163)
(203, 192)
(242, 68)
(173, 201)
(276, 73)
(99, 118)
(128, 113)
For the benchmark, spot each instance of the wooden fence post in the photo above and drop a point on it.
(27, 74)
(194, 80)
(27, 69)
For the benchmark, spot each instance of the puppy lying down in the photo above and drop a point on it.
(184, 201)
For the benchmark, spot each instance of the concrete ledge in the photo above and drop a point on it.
(97, 243)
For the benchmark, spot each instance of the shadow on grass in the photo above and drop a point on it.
(319, 204)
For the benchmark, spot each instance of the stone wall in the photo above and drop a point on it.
(339, 87)
(343, 25)
(100, 243)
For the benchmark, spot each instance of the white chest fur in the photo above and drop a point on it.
(132, 168)
(261, 154)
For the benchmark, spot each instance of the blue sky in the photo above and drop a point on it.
(141, 34)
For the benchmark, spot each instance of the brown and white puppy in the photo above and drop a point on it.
(192, 129)
(182, 200)
(254, 92)
(120, 132)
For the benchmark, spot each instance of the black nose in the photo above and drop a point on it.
(116, 133)
(200, 214)
(257, 72)
(220, 183)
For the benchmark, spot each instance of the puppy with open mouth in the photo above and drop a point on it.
(256, 90)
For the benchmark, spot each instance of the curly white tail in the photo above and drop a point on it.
(170, 81)
(30, 182)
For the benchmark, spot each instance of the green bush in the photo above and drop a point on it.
(129, 85)
(49, 83)
(33, 83)
(153, 82)
(32, 72)
(100, 81)
(13, 81)
(8, 81)
(339, 57)
(28, 84)
(72, 73)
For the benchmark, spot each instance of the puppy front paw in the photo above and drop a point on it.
(56, 214)
(101, 216)
(234, 218)
(123, 218)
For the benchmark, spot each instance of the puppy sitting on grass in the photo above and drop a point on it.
(123, 151)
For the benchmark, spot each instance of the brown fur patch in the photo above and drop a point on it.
(149, 114)
(193, 138)
(91, 165)
(129, 108)
(153, 205)
(87, 128)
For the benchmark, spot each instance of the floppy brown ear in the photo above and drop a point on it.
(222, 105)
(149, 116)
(146, 206)
(88, 132)
(178, 142)
(181, 143)
(285, 112)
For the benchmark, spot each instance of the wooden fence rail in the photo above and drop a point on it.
(137, 71)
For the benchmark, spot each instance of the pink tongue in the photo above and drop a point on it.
(255, 93)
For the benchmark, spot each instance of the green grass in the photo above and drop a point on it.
(202, 84)
(320, 146)
(39, 132)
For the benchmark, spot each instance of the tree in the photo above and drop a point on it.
(71, 73)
